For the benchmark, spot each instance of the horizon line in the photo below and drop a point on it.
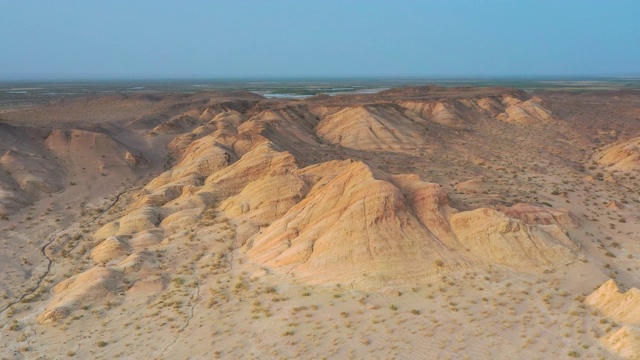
(99, 78)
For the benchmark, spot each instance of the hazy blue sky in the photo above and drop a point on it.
(118, 38)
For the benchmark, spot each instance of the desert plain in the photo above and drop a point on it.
(420, 222)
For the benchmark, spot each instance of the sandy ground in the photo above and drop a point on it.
(199, 295)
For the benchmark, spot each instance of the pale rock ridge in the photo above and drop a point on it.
(258, 188)
(355, 227)
(331, 222)
(220, 126)
(524, 112)
(141, 269)
(137, 220)
(623, 156)
(111, 248)
(615, 205)
(491, 105)
(492, 237)
(289, 128)
(625, 342)
(146, 239)
(509, 100)
(457, 113)
(443, 113)
(88, 288)
(430, 203)
(262, 201)
(520, 235)
(621, 306)
(202, 158)
(341, 231)
(181, 219)
(263, 160)
(373, 128)
(238, 106)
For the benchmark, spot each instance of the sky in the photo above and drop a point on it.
(102, 39)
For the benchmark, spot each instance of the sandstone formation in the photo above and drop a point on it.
(212, 221)
(91, 287)
(621, 306)
(372, 128)
(625, 342)
(624, 308)
(111, 248)
(335, 221)
(624, 156)
(524, 112)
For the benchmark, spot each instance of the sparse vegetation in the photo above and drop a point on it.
(231, 248)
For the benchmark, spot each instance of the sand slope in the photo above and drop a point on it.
(623, 156)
